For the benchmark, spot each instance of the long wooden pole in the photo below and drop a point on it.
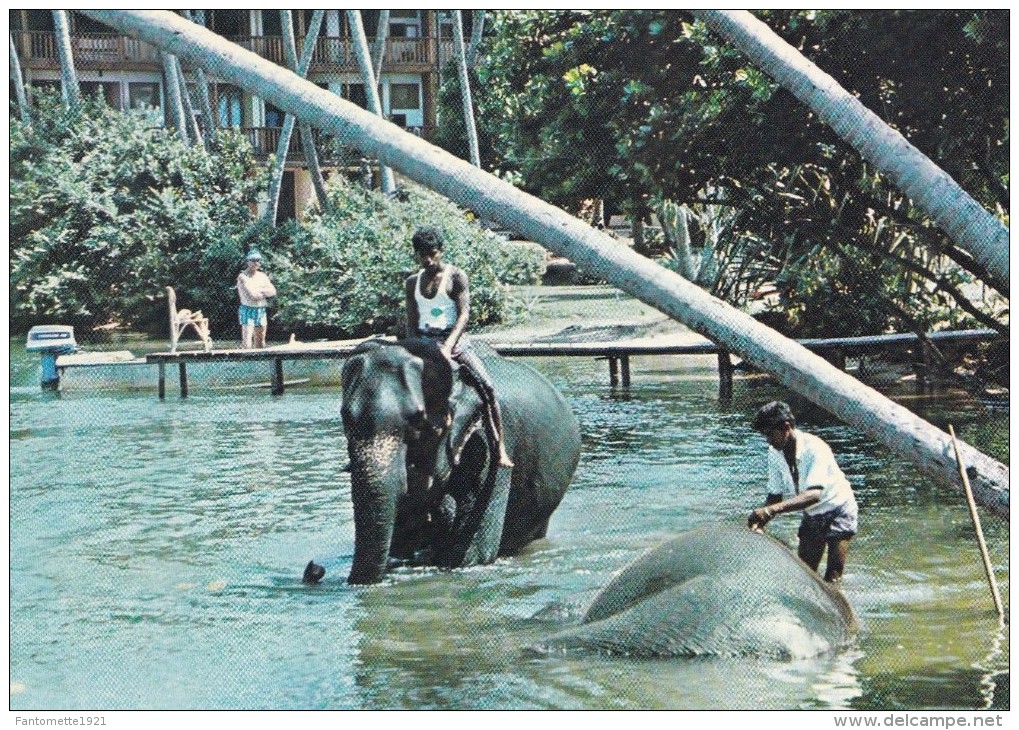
(596, 252)
(988, 568)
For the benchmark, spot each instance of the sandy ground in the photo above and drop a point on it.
(583, 314)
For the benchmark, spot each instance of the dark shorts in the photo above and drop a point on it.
(464, 355)
(836, 524)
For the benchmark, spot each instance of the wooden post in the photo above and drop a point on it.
(626, 371)
(162, 381)
(976, 526)
(277, 376)
(725, 371)
(183, 379)
(613, 371)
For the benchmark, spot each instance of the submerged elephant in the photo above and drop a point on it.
(423, 481)
(715, 591)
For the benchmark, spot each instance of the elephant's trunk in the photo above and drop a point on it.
(378, 478)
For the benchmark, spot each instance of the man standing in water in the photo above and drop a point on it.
(254, 289)
(802, 465)
(438, 308)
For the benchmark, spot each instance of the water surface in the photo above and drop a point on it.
(157, 549)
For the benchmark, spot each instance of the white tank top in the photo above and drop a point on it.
(439, 312)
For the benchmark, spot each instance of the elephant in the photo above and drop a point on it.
(720, 591)
(424, 484)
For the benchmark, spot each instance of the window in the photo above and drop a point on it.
(404, 24)
(356, 94)
(271, 23)
(274, 116)
(404, 96)
(229, 105)
(40, 20)
(228, 23)
(143, 94)
(108, 91)
(84, 24)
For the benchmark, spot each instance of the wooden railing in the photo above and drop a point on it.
(37, 46)
(265, 140)
(331, 53)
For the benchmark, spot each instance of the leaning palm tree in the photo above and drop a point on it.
(299, 67)
(477, 31)
(69, 87)
(968, 224)
(177, 116)
(19, 85)
(371, 86)
(307, 137)
(379, 49)
(465, 88)
(796, 367)
(202, 85)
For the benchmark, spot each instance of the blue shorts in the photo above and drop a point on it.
(836, 524)
(252, 316)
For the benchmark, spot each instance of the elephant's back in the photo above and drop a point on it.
(718, 590)
(544, 437)
(539, 412)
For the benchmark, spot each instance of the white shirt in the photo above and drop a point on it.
(255, 290)
(439, 312)
(817, 468)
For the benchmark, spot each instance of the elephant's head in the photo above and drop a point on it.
(394, 397)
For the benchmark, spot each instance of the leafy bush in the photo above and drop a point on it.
(107, 208)
(342, 273)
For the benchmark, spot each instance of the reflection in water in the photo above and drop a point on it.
(157, 549)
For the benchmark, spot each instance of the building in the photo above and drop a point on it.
(129, 73)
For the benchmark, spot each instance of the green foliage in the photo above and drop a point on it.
(640, 106)
(343, 273)
(107, 208)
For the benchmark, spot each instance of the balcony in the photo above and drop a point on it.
(39, 49)
(265, 140)
(331, 54)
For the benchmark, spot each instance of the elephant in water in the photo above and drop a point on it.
(424, 482)
(715, 591)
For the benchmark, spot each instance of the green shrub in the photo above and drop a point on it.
(108, 208)
(343, 273)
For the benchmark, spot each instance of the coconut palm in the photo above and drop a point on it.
(968, 224)
(68, 77)
(465, 88)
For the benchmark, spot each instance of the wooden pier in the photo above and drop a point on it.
(618, 354)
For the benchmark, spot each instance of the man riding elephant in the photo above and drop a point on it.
(438, 308)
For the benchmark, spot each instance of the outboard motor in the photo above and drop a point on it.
(51, 341)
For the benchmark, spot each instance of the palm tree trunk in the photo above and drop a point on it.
(465, 88)
(381, 34)
(19, 85)
(968, 224)
(300, 67)
(208, 119)
(173, 101)
(307, 138)
(68, 78)
(477, 31)
(594, 251)
(371, 87)
(189, 112)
